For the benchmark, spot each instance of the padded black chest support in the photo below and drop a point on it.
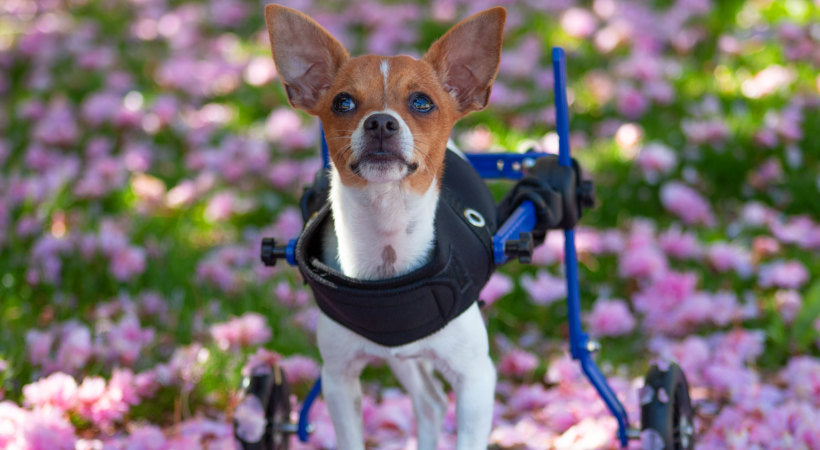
(403, 309)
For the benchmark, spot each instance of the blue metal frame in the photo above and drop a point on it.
(511, 166)
(577, 338)
(303, 427)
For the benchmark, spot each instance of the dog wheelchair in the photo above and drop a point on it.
(549, 194)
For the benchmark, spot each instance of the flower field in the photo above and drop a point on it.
(146, 146)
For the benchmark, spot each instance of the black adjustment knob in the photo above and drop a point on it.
(586, 194)
(270, 252)
(521, 249)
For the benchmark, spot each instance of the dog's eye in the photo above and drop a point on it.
(421, 103)
(343, 103)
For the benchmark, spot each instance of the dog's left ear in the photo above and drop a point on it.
(466, 58)
(306, 55)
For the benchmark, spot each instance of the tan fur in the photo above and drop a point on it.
(362, 78)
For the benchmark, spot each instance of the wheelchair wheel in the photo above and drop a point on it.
(267, 391)
(667, 417)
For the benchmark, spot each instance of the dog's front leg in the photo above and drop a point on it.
(462, 357)
(343, 358)
(342, 391)
(475, 392)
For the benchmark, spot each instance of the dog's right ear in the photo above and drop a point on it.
(306, 55)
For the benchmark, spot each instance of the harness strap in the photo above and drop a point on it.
(403, 309)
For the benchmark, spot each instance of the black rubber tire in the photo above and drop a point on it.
(272, 391)
(279, 412)
(667, 409)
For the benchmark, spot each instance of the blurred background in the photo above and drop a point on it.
(146, 146)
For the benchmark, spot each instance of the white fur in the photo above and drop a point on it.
(384, 67)
(367, 220)
(379, 215)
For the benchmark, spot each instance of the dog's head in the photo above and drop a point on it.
(386, 118)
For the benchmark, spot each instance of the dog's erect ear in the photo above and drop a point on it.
(306, 55)
(466, 58)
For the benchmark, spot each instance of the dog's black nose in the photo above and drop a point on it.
(381, 125)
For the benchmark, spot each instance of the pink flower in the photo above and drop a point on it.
(800, 230)
(284, 127)
(645, 261)
(127, 262)
(300, 369)
(145, 437)
(101, 107)
(75, 347)
(529, 398)
(550, 252)
(57, 391)
(767, 173)
(713, 131)
(578, 23)
(394, 413)
(105, 404)
(663, 296)
(122, 342)
(284, 173)
(91, 390)
(563, 371)
(802, 377)
(679, 244)
(58, 127)
(221, 207)
(517, 363)
(518, 62)
(38, 346)
(610, 318)
(631, 103)
(200, 432)
(289, 223)
(182, 194)
(544, 288)
(247, 329)
(767, 81)
(476, 139)
(786, 274)
(723, 257)
(757, 214)
(102, 175)
(43, 429)
(656, 159)
(763, 246)
(497, 286)
(687, 204)
(261, 362)
(788, 304)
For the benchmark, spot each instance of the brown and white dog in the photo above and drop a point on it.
(387, 121)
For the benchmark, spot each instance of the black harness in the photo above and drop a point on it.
(403, 309)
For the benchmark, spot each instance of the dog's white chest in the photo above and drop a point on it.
(382, 230)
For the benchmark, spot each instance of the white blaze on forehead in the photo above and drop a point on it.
(385, 69)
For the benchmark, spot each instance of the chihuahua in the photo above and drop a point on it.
(387, 121)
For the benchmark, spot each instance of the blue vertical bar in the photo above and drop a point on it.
(325, 151)
(577, 338)
(559, 69)
(302, 429)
